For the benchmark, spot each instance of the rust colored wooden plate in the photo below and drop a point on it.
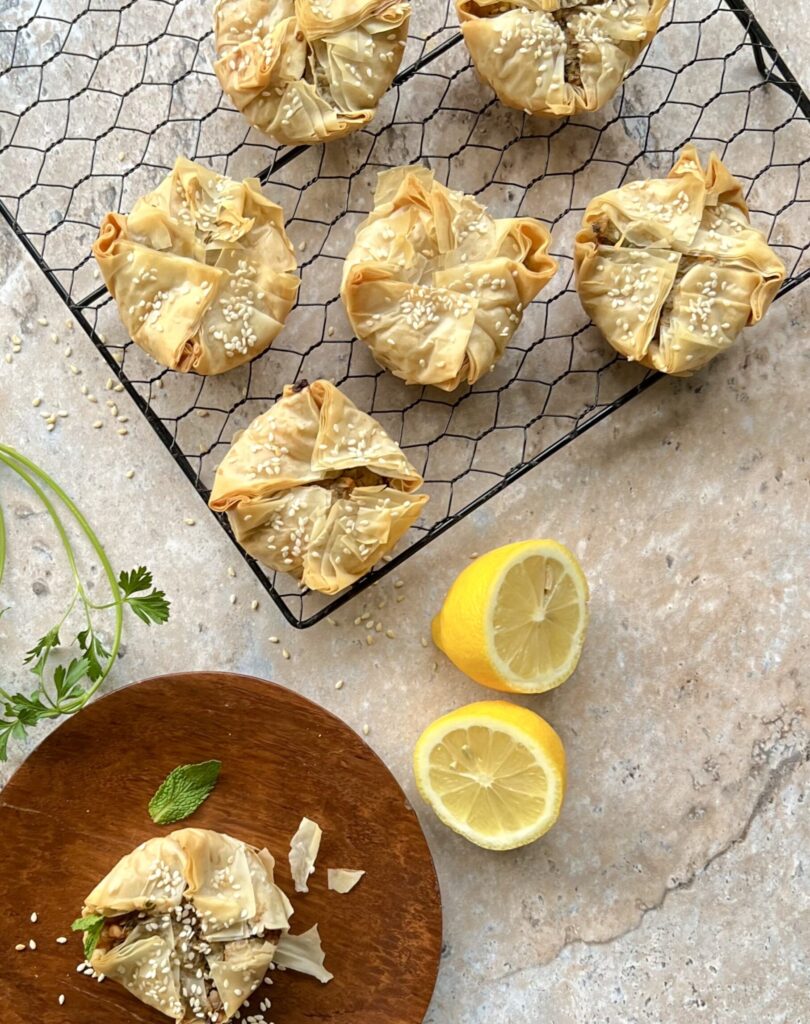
(79, 803)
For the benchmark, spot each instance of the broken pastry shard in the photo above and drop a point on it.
(670, 269)
(307, 71)
(316, 488)
(193, 922)
(557, 57)
(434, 285)
(202, 270)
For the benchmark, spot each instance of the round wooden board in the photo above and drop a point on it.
(79, 803)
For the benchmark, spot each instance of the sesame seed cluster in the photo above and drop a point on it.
(316, 488)
(434, 285)
(193, 922)
(671, 270)
(202, 270)
(557, 57)
(307, 71)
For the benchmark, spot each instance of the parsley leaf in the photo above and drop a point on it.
(92, 926)
(182, 791)
(152, 607)
(68, 681)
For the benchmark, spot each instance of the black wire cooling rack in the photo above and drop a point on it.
(98, 97)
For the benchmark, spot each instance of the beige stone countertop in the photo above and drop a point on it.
(674, 887)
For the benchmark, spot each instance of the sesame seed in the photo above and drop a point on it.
(61, 940)
(254, 605)
(189, 521)
(61, 999)
(20, 947)
(232, 598)
(273, 639)
(339, 684)
(369, 639)
(97, 424)
(130, 473)
(231, 570)
(32, 944)
(36, 402)
(285, 654)
(42, 321)
(366, 729)
(122, 431)
(399, 584)
(423, 641)
(34, 917)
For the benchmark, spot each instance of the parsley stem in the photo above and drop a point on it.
(2, 546)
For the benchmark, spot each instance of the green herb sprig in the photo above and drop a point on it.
(92, 925)
(63, 689)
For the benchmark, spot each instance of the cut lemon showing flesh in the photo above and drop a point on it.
(493, 772)
(515, 619)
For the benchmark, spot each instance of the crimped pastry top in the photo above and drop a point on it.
(202, 270)
(316, 488)
(671, 269)
(307, 71)
(435, 285)
(557, 57)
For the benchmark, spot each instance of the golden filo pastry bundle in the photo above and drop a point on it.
(192, 922)
(671, 269)
(557, 57)
(202, 270)
(316, 488)
(308, 71)
(435, 285)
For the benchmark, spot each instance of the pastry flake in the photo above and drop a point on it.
(308, 71)
(671, 270)
(316, 488)
(434, 285)
(557, 57)
(193, 921)
(202, 270)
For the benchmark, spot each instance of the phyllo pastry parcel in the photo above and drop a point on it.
(307, 71)
(316, 488)
(671, 270)
(192, 922)
(435, 285)
(202, 270)
(557, 57)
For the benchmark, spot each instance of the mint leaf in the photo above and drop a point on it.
(92, 926)
(182, 791)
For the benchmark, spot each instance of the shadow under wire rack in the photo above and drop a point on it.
(98, 97)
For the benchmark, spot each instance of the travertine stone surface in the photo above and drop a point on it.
(673, 888)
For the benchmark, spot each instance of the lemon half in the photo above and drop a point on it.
(493, 772)
(515, 619)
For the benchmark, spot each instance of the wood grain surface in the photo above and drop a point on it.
(79, 803)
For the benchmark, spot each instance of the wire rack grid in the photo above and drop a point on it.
(97, 97)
